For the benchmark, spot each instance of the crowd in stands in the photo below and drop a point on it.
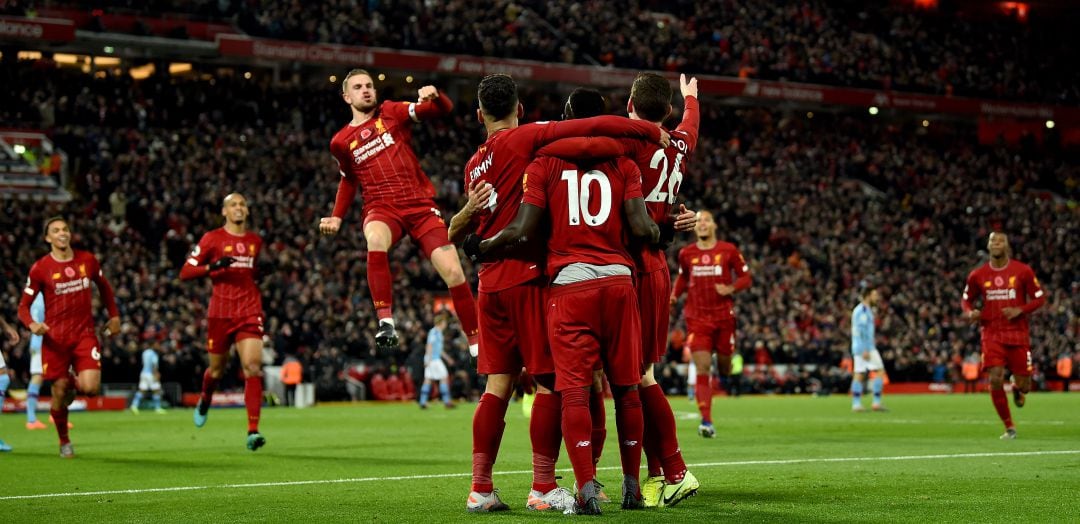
(817, 206)
(880, 44)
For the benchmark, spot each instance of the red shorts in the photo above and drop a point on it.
(1016, 358)
(594, 321)
(512, 331)
(713, 335)
(57, 358)
(224, 332)
(653, 291)
(422, 221)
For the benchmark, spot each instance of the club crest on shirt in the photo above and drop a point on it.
(82, 269)
(379, 126)
(1012, 281)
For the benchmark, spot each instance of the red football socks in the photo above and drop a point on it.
(381, 283)
(545, 431)
(1001, 404)
(253, 395)
(576, 428)
(703, 393)
(599, 425)
(488, 425)
(60, 418)
(209, 386)
(630, 425)
(660, 439)
(465, 306)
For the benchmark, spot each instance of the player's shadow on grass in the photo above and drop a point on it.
(180, 462)
(369, 461)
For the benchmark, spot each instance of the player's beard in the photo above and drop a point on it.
(366, 107)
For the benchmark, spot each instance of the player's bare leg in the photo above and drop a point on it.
(1001, 403)
(211, 378)
(703, 390)
(446, 262)
(488, 426)
(671, 482)
(250, 351)
(380, 282)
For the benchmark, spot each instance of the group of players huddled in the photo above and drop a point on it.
(569, 222)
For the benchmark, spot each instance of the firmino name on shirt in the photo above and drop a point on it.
(372, 148)
(479, 170)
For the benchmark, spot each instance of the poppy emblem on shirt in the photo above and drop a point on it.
(69, 272)
(998, 281)
(240, 248)
(705, 259)
(364, 135)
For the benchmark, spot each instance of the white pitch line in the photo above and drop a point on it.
(523, 472)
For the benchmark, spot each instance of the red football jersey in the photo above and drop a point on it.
(501, 162)
(700, 270)
(68, 295)
(235, 293)
(661, 177)
(377, 156)
(1009, 286)
(585, 209)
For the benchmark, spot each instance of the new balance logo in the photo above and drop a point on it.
(583, 444)
(629, 443)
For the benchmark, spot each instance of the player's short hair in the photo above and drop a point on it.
(584, 103)
(225, 199)
(497, 95)
(350, 74)
(865, 290)
(48, 222)
(651, 96)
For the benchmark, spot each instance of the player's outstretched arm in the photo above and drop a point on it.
(430, 103)
(464, 221)
(516, 232)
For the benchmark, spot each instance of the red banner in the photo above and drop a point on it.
(347, 56)
(44, 29)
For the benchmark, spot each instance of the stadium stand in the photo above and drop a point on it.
(964, 48)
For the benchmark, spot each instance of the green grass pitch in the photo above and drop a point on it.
(932, 458)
